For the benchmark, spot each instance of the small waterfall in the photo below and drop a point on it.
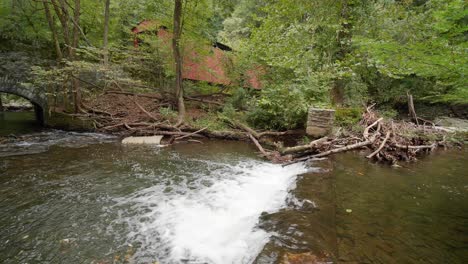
(211, 223)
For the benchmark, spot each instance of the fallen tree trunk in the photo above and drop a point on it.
(144, 110)
(225, 135)
(433, 145)
(380, 147)
(302, 148)
(345, 148)
(366, 130)
(244, 127)
(168, 133)
(262, 150)
(191, 134)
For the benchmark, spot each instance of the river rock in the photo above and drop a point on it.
(320, 122)
(143, 140)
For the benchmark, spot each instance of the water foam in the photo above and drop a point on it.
(40, 142)
(210, 224)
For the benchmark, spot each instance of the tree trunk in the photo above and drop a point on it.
(76, 39)
(344, 43)
(61, 10)
(1, 104)
(76, 28)
(411, 109)
(50, 21)
(179, 91)
(106, 33)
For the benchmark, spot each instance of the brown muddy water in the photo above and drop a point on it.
(84, 198)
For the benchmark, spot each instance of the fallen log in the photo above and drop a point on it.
(366, 130)
(432, 146)
(245, 128)
(273, 133)
(262, 150)
(302, 148)
(168, 133)
(145, 111)
(345, 148)
(112, 126)
(387, 136)
(191, 134)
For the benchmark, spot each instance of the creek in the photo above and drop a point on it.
(70, 197)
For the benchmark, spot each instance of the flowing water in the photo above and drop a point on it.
(85, 198)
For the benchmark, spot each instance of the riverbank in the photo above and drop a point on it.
(391, 141)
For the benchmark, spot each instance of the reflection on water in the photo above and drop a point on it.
(416, 214)
(18, 123)
(361, 212)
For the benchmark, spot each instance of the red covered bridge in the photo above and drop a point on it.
(208, 63)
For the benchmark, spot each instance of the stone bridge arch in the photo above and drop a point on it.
(32, 94)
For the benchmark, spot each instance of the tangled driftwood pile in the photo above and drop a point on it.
(387, 141)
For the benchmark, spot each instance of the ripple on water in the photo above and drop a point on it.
(41, 142)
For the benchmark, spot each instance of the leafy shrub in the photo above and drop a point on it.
(279, 108)
(347, 117)
(211, 121)
(239, 99)
(168, 113)
(388, 112)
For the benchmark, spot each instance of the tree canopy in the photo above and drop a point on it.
(311, 52)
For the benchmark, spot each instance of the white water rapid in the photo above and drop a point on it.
(212, 220)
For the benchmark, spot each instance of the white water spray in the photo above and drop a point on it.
(213, 224)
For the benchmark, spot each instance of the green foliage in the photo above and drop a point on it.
(387, 112)
(347, 117)
(239, 99)
(212, 121)
(23, 22)
(312, 52)
(168, 113)
(279, 108)
(412, 45)
(200, 88)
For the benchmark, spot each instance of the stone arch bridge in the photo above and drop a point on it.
(32, 94)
